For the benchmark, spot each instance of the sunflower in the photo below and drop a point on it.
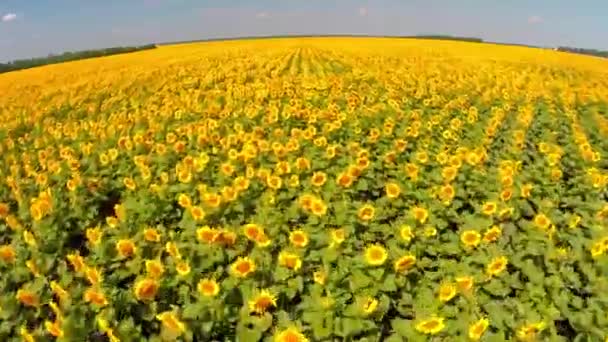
(404, 263)
(94, 235)
(489, 208)
(54, 328)
(291, 334)
(184, 201)
(146, 289)
(477, 328)
(318, 207)
(406, 233)
(7, 254)
(431, 326)
(529, 332)
(262, 301)
(447, 291)
(465, 283)
(497, 265)
(344, 180)
(337, 236)
(290, 260)
(197, 213)
(173, 250)
(447, 193)
(392, 190)
(208, 287)
(242, 267)
(93, 275)
(506, 194)
(470, 238)
(298, 238)
(274, 182)
(128, 182)
(27, 298)
(320, 277)
(154, 268)
(420, 214)
(369, 305)
(366, 212)
(318, 179)
(207, 234)
(252, 231)
(375, 255)
(92, 295)
(171, 322)
(182, 268)
(26, 336)
(212, 200)
(263, 240)
(542, 221)
(126, 248)
(492, 234)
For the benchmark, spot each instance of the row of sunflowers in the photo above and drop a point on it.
(306, 190)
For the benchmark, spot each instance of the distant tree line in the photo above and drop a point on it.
(591, 52)
(69, 56)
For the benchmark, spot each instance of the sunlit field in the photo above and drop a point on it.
(311, 189)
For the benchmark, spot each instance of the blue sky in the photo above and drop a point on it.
(38, 27)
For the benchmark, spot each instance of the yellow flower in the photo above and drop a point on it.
(27, 298)
(476, 329)
(489, 208)
(184, 201)
(182, 268)
(420, 214)
(366, 212)
(94, 235)
(318, 207)
(542, 221)
(470, 238)
(171, 322)
(171, 248)
(298, 238)
(242, 267)
(392, 190)
(26, 335)
(529, 332)
(151, 235)
(447, 291)
(125, 248)
(404, 263)
(375, 255)
(7, 254)
(197, 213)
(526, 190)
(318, 179)
(207, 234)
(406, 233)
(92, 295)
(337, 236)
(430, 231)
(146, 289)
(369, 305)
(465, 283)
(319, 277)
(492, 234)
(290, 260)
(262, 302)
(208, 287)
(291, 334)
(252, 231)
(129, 183)
(431, 326)
(154, 268)
(497, 265)
(29, 238)
(54, 328)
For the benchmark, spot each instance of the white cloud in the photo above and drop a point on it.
(535, 19)
(262, 15)
(362, 11)
(9, 17)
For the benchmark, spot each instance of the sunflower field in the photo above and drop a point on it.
(310, 189)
